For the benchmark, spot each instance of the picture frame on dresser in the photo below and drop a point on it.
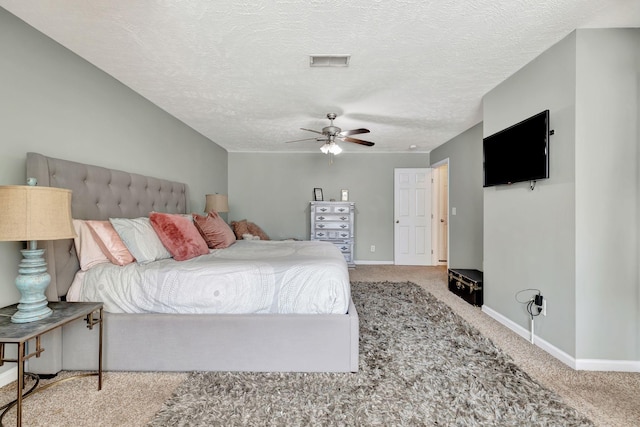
(317, 194)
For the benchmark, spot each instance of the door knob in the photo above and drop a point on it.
(397, 221)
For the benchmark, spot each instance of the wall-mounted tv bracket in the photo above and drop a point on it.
(532, 184)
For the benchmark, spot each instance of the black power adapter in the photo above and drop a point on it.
(537, 300)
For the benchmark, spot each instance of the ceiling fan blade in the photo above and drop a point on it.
(311, 130)
(358, 141)
(353, 132)
(306, 139)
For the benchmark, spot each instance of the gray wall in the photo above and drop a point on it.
(465, 194)
(529, 237)
(607, 193)
(57, 104)
(575, 237)
(274, 189)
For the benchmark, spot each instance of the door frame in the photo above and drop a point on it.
(434, 208)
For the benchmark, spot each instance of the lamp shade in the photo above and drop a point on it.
(216, 202)
(35, 213)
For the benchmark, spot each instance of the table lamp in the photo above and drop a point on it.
(30, 213)
(216, 202)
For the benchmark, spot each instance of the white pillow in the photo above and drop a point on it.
(140, 238)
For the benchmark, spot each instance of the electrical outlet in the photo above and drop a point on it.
(544, 307)
(373, 248)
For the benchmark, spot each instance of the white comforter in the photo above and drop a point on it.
(248, 277)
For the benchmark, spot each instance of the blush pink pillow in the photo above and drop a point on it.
(240, 228)
(215, 231)
(257, 231)
(87, 246)
(178, 234)
(110, 242)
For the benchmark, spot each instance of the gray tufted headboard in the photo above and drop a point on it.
(98, 193)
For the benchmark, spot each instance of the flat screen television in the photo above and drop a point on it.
(518, 153)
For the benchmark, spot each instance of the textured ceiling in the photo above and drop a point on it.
(238, 72)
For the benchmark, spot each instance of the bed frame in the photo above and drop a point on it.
(174, 342)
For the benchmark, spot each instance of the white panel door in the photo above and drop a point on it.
(412, 208)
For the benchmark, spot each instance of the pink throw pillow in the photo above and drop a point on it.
(110, 242)
(178, 234)
(87, 246)
(214, 230)
(257, 231)
(240, 228)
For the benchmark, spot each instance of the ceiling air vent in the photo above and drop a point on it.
(329, 60)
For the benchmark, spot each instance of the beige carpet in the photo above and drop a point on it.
(607, 398)
(131, 399)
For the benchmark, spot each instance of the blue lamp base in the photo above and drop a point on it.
(32, 282)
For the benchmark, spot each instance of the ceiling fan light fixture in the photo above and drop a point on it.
(331, 148)
(329, 60)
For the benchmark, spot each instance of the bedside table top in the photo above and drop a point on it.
(63, 312)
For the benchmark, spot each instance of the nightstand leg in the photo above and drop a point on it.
(20, 384)
(100, 353)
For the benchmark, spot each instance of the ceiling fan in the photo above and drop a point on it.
(332, 133)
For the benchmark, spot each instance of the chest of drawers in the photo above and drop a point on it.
(334, 222)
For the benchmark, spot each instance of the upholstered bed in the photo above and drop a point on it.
(174, 342)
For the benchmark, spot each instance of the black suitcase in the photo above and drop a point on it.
(467, 284)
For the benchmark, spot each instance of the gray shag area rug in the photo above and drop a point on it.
(420, 365)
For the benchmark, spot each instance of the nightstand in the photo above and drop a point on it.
(21, 333)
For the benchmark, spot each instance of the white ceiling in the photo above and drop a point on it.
(238, 71)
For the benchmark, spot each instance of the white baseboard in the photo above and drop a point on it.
(577, 364)
(8, 376)
(367, 262)
(608, 365)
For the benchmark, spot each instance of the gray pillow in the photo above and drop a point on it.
(140, 238)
